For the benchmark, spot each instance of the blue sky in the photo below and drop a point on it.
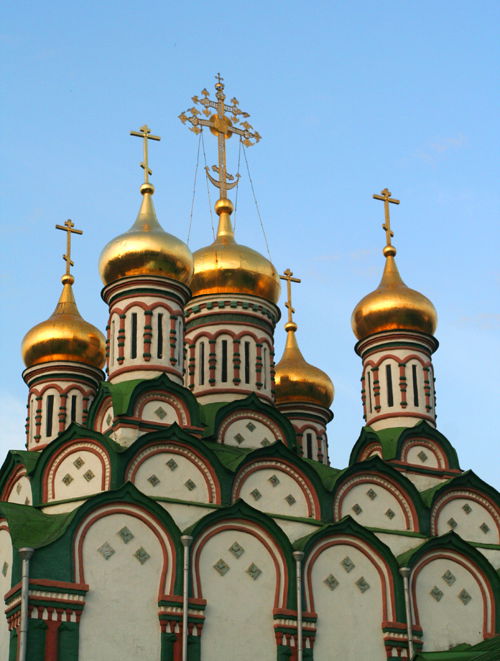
(350, 97)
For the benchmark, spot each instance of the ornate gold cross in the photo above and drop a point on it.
(287, 275)
(385, 196)
(145, 133)
(69, 228)
(223, 127)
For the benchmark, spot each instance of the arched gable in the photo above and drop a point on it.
(376, 495)
(179, 460)
(447, 574)
(367, 445)
(422, 439)
(250, 422)
(273, 479)
(468, 506)
(15, 477)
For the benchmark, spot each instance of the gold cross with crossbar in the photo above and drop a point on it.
(69, 228)
(287, 275)
(385, 196)
(145, 133)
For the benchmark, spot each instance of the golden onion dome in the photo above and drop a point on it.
(298, 381)
(226, 267)
(393, 305)
(146, 249)
(65, 335)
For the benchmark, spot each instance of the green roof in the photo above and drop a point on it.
(30, 527)
(327, 474)
(27, 458)
(208, 413)
(388, 440)
(229, 455)
(121, 394)
(488, 650)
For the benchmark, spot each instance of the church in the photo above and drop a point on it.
(175, 499)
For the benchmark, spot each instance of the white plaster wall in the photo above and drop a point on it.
(349, 623)
(171, 483)
(21, 492)
(239, 622)
(295, 529)
(273, 498)
(255, 438)
(430, 462)
(86, 479)
(373, 512)
(185, 515)
(448, 622)
(493, 555)
(400, 543)
(120, 620)
(422, 481)
(148, 413)
(468, 524)
(5, 584)
(63, 507)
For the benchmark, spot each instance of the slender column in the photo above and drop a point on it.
(186, 542)
(405, 573)
(298, 555)
(25, 553)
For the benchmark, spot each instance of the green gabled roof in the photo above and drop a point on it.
(389, 440)
(120, 393)
(25, 457)
(208, 415)
(30, 527)
(488, 650)
(327, 474)
(229, 455)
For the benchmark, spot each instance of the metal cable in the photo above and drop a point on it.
(237, 187)
(257, 205)
(208, 186)
(194, 190)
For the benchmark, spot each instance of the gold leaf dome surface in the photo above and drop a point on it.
(298, 381)
(65, 335)
(393, 306)
(146, 249)
(228, 267)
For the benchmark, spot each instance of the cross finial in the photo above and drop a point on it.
(145, 133)
(385, 196)
(223, 126)
(69, 228)
(287, 275)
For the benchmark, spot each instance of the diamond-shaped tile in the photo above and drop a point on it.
(464, 597)
(67, 479)
(331, 582)
(78, 463)
(256, 494)
(5, 568)
(485, 528)
(153, 480)
(422, 456)
(290, 499)
(467, 508)
(239, 439)
(172, 464)
(221, 567)
(89, 475)
(126, 534)
(109, 419)
(236, 550)
(371, 494)
(250, 426)
(253, 571)
(142, 555)
(189, 484)
(362, 584)
(452, 523)
(106, 550)
(390, 514)
(448, 577)
(436, 593)
(357, 509)
(160, 413)
(347, 564)
(274, 480)
(265, 442)
(18, 488)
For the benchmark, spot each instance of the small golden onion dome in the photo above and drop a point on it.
(65, 335)
(146, 249)
(226, 267)
(393, 305)
(298, 381)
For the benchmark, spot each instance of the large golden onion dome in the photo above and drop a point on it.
(298, 381)
(226, 267)
(65, 335)
(393, 305)
(146, 249)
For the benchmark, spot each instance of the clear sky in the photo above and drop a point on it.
(350, 97)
